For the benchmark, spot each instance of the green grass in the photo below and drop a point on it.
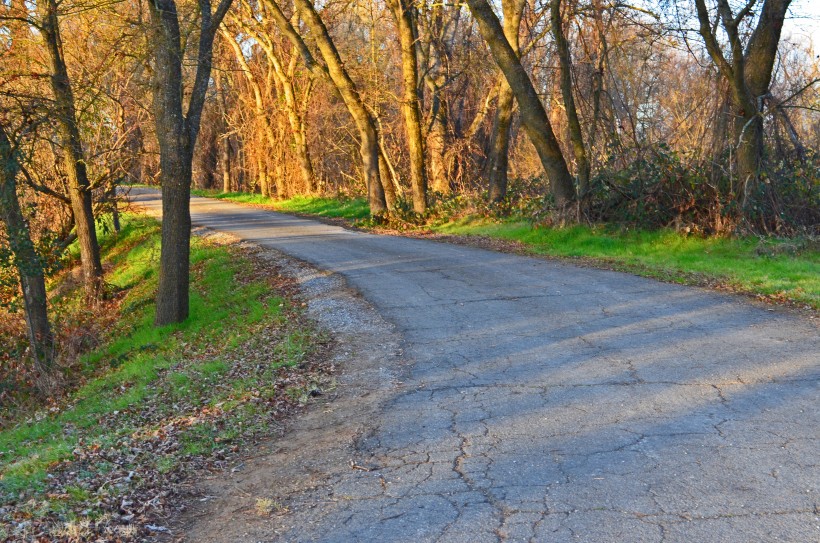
(141, 366)
(735, 263)
(352, 208)
(789, 274)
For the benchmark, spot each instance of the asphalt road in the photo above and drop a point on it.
(546, 402)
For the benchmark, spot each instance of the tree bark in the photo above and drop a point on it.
(403, 15)
(749, 73)
(26, 259)
(225, 161)
(336, 72)
(225, 140)
(437, 143)
(533, 116)
(432, 49)
(500, 146)
(262, 115)
(79, 187)
(177, 134)
(576, 134)
(295, 120)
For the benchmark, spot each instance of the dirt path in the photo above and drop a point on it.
(493, 397)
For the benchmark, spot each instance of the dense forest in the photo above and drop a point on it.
(698, 115)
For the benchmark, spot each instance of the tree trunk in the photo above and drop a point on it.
(286, 88)
(369, 144)
(79, 188)
(598, 76)
(749, 72)
(534, 117)
(306, 164)
(390, 196)
(224, 141)
(500, 146)
(28, 264)
(205, 159)
(278, 157)
(749, 154)
(262, 179)
(175, 150)
(576, 135)
(437, 144)
(225, 162)
(295, 119)
(262, 116)
(403, 15)
(177, 134)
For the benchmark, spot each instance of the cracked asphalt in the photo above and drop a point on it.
(530, 400)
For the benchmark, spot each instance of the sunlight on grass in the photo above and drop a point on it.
(664, 254)
(326, 207)
(668, 255)
(353, 208)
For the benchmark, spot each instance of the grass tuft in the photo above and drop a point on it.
(735, 263)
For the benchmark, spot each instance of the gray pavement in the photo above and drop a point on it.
(546, 402)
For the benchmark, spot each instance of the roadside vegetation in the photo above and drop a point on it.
(344, 208)
(659, 151)
(782, 270)
(139, 408)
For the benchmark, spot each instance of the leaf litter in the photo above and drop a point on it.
(124, 483)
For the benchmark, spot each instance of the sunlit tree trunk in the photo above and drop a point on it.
(500, 144)
(336, 72)
(435, 79)
(533, 116)
(225, 140)
(298, 126)
(225, 161)
(403, 14)
(437, 143)
(295, 119)
(79, 187)
(262, 115)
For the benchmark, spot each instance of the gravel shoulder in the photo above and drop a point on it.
(226, 507)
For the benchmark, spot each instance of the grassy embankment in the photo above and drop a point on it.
(778, 270)
(154, 402)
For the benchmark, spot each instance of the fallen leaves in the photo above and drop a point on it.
(125, 480)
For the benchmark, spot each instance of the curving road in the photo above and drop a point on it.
(545, 402)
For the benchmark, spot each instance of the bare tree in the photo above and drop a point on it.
(403, 14)
(285, 78)
(336, 72)
(26, 259)
(177, 133)
(513, 10)
(576, 134)
(533, 115)
(79, 187)
(748, 71)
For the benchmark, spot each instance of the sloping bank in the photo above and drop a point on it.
(151, 409)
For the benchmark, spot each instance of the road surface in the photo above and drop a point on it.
(538, 401)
